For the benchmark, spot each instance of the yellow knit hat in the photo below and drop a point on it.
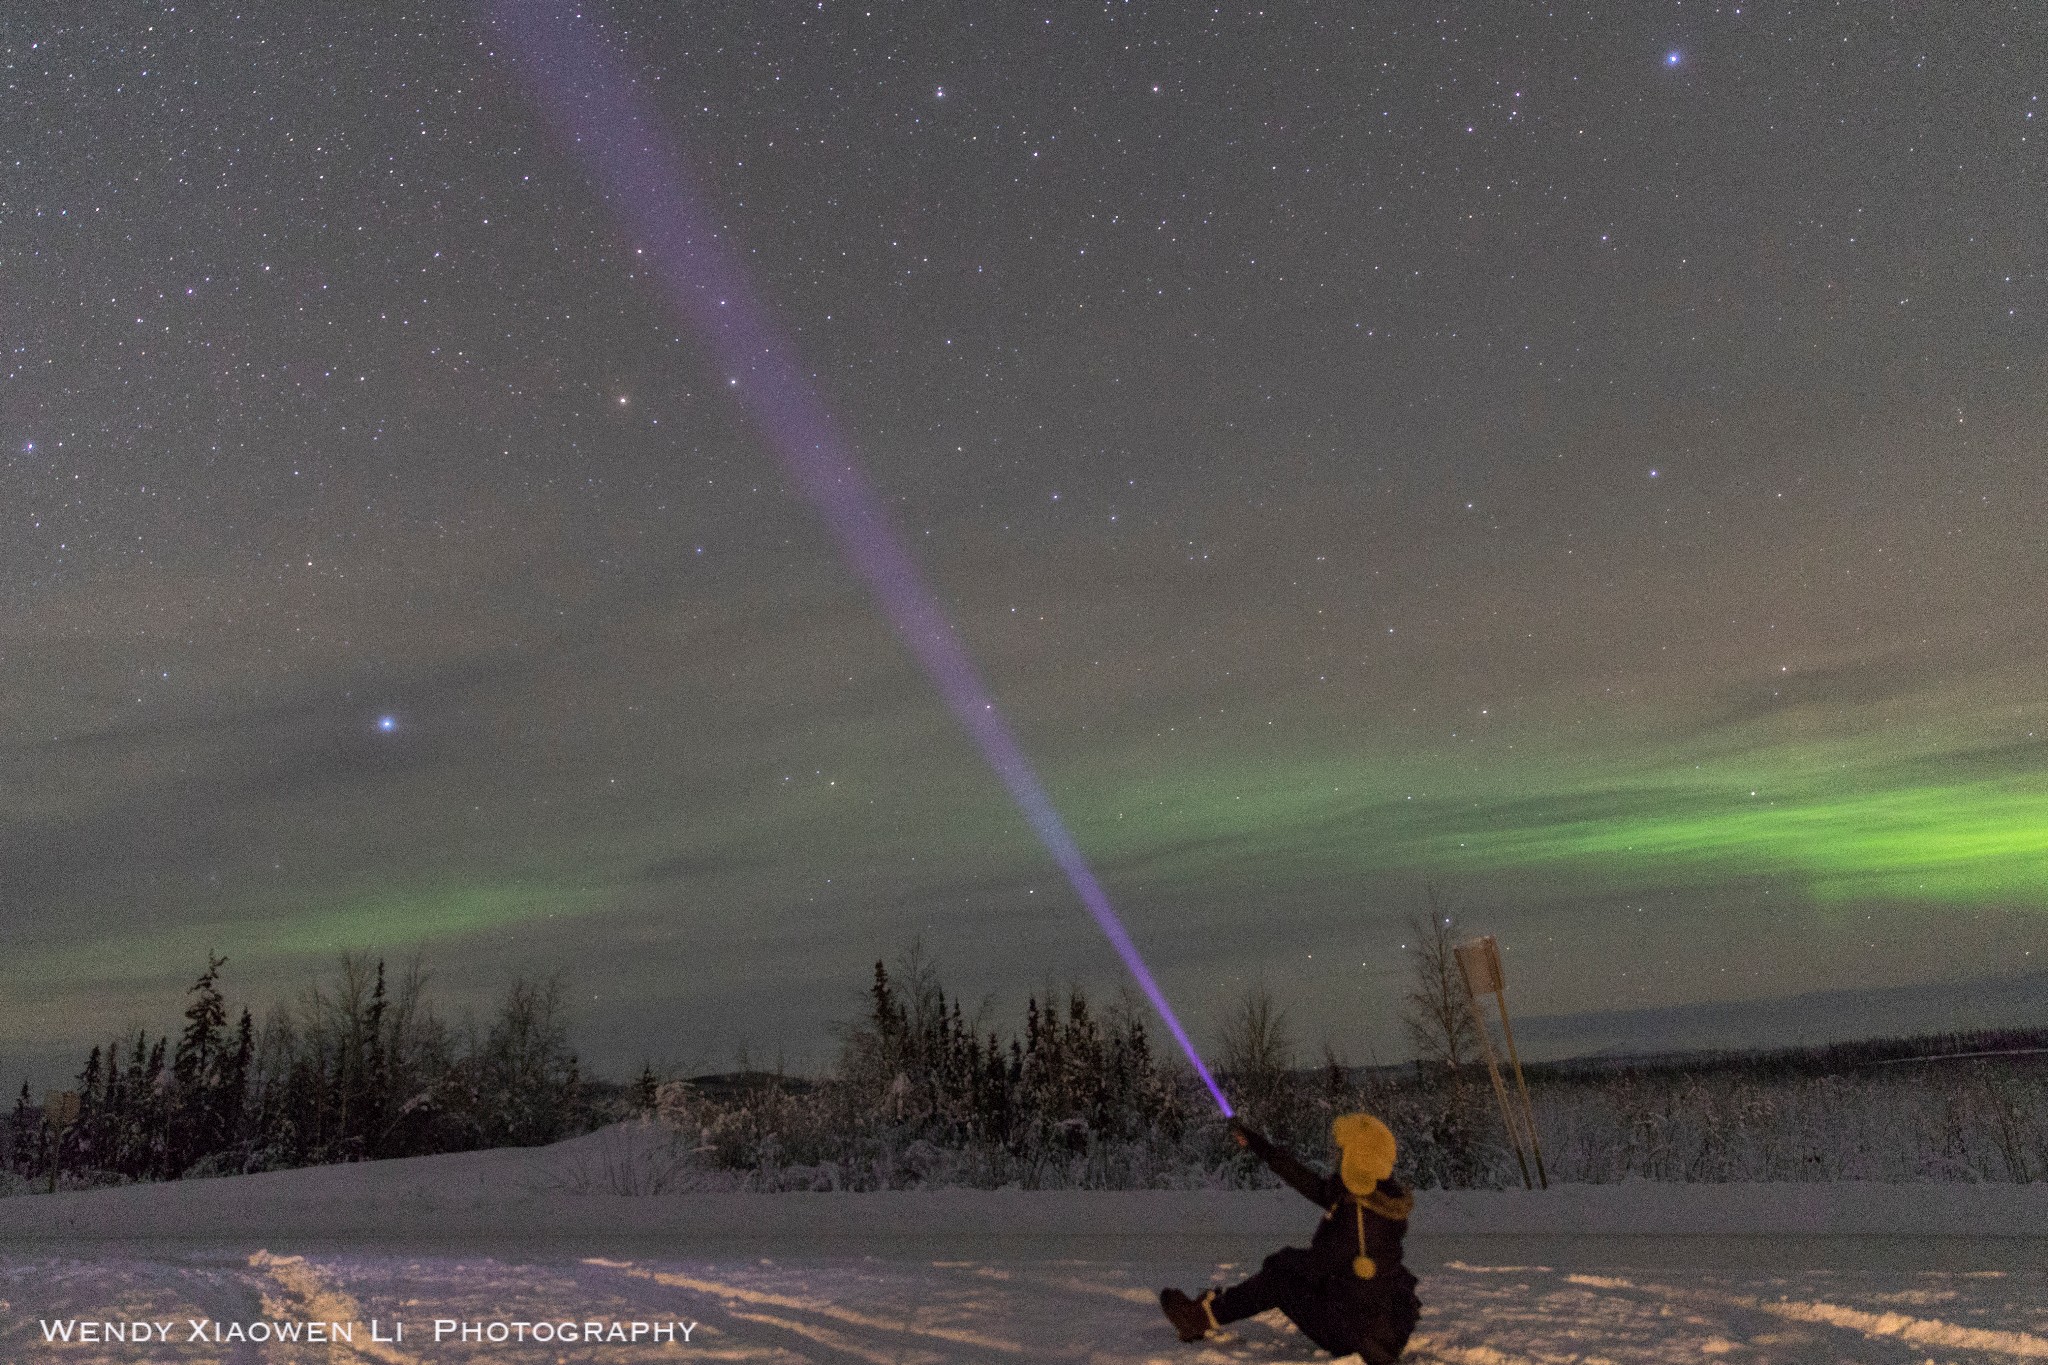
(1368, 1151)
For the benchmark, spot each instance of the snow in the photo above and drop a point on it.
(1639, 1272)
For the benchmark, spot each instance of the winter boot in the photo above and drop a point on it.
(1192, 1319)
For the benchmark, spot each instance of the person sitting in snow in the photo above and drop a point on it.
(1348, 1292)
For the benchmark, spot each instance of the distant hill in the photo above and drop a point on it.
(1815, 1018)
(731, 1085)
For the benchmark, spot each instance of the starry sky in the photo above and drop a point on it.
(1589, 458)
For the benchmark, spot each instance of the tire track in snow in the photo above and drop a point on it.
(1467, 1309)
(1876, 1326)
(1073, 1284)
(1422, 1347)
(124, 1290)
(228, 1294)
(322, 1302)
(761, 1298)
(832, 1340)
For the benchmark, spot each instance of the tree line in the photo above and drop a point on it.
(1074, 1095)
(1071, 1077)
(362, 1067)
(1077, 1097)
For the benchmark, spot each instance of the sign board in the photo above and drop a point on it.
(1479, 964)
(60, 1107)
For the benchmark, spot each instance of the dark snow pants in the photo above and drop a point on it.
(1371, 1317)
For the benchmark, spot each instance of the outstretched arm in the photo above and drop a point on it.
(1313, 1187)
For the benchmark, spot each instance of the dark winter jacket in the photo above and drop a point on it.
(1385, 1212)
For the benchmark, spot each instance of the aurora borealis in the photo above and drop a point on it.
(1357, 448)
(1935, 832)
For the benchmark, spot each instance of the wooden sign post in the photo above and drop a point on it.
(1479, 964)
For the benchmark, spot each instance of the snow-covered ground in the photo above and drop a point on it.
(498, 1242)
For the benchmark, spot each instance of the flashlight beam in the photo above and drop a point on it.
(597, 108)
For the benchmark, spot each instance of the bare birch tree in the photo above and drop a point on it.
(1434, 1012)
(1258, 1053)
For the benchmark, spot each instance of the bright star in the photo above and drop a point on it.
(387, 723)
(1673, 57)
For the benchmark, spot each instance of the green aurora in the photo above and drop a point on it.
(317, 929)
(1982, 843)
(1960, 828)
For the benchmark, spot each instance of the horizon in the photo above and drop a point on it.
(1914, 1014)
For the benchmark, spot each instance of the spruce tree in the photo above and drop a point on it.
(156, 1113)
(91, 1123)
(23, 1133)
(376, 1088)
(194, 1108)
(231, 1090)
(131, 1127)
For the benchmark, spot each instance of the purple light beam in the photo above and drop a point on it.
(597, 109)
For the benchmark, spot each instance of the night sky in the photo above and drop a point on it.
(1593, 458)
